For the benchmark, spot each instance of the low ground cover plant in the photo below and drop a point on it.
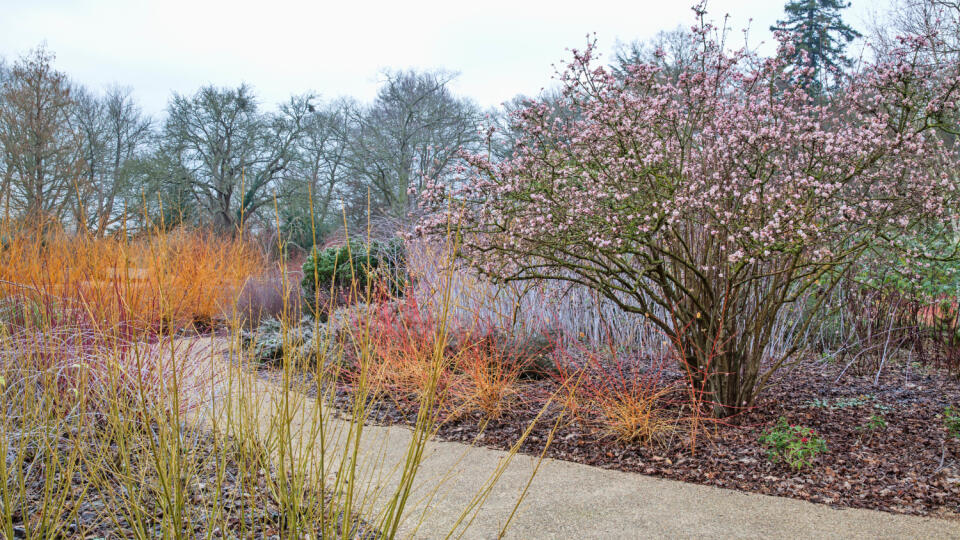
(875, 424)
(797, 446)
(841, 403)
(484, 383)
(951, 421)
(634, 411)
(625, 399)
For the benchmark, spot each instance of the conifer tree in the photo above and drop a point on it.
(821, 37)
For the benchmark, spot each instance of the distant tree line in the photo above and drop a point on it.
(218, 158)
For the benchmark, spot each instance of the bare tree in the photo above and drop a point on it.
(129, 133)
(114, 132)
(235, 154)
(671, 50)
(89, 122)
(412, 131)
(40, 147)
(919, 18)
(317, 178)
(157, 191)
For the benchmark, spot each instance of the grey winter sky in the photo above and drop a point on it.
(281, 47)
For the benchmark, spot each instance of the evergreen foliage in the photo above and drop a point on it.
(821, 38)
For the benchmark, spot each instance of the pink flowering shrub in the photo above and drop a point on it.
(711, 200)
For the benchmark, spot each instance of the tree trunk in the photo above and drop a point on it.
(718, 375)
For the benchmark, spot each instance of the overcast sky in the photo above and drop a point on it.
(282, 47)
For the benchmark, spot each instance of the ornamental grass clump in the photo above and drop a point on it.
(486, 378)
(626, 398)
(715, 201)
(635, 413)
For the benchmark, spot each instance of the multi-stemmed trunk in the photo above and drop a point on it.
(731, 343)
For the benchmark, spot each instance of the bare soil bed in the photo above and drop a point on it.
(911, 466)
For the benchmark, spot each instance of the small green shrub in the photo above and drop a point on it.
(375, 267)
(796, 445)
(875, 423)
(951, 421)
